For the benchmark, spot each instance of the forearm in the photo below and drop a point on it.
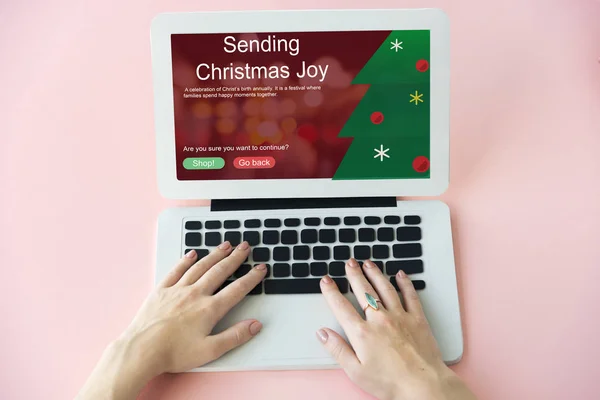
(121, 373)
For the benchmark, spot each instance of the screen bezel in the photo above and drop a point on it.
(164, 25)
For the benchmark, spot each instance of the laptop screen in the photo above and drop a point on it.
(302, 105)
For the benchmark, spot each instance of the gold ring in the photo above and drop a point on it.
(371, 302)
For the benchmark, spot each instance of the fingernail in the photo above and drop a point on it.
(255, 327)
(369, 264)
(322, 335)
(224, 245)
(401, 274)
(352, 263)
(243, 246)
(261, 267)
(191, 254)
(326, 279)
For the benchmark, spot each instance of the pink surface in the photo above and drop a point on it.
(78, 196)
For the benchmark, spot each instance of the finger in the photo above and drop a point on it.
(358, 281)
(203, 265)
(236, 291)
(411, 298)
(339, 349)
(177, 272)
(217, 274)
(342, 309)
(386, 291)
(233, 337)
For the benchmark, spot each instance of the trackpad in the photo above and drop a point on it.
(289, 330)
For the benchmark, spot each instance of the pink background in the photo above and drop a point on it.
(77, 231)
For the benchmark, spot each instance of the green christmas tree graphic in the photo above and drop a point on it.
(390, 125)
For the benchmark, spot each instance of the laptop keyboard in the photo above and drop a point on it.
(300, 251)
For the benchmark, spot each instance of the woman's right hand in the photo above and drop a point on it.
(393, 354)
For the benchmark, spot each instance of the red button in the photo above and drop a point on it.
(253, 162)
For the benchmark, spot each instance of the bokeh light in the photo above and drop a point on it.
(288, 125)
(251, 124)
(276, 138)
(226, 109)
(225, 126)
(308, 132)
(270, 108)
(267, 129)
(252, 107)
(256, 139)
(202, 109)
(287, 106)
(313, 98)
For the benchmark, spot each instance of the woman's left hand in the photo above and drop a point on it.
(172, 330)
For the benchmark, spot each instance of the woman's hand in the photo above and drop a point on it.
(172, 330)
(394, 354)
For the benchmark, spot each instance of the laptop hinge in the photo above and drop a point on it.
(301, 203)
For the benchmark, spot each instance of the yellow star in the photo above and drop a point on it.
(416, 97)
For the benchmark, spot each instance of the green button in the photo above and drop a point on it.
(204, 163)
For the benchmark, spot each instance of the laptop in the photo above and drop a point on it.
(304, 128)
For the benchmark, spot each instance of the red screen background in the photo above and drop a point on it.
(308, 121)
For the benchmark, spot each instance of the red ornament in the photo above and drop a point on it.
(422, 65)
(377, 117)
(421, 164)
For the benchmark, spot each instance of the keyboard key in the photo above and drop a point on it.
(301, 252)
(289, 237)
(234, 237)
(332, 221)
(392, 220)
(268, 273)
(412, 220)
(200, 252)
(385, 234)
(362, 252)
(242, 270)
(193, 239)
(272, 223)
(252, 223)
(419, 285)
(261, 254)
(312, 221)
(270, 237)
(366, 235)
(231, 224)
(252, 237)
(327, 235)
(321, 253)
(193, 225)
(318, 269)
(347, 235)
(372, 220)
(337, 268)
(308, 236)
(411, 250)
(351, 220)
(299, 286)
(213, 239)
(281, 254)
(408, 266)
(408, 233)
(258, 289)
(300, 270)
(281, 270)
(291, 222)
(213, 224)
(341, 253)
(381, 251)
(379, 264)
